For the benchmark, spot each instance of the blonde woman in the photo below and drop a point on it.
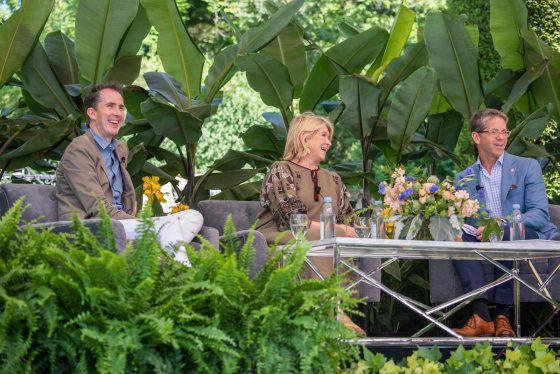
(298, 184)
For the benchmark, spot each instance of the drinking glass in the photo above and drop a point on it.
(495, 238)
(362, 226)
(299, 224)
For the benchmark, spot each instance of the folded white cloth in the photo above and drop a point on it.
(177, 228)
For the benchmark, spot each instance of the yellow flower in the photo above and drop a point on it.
(152, 188)
(179, 207)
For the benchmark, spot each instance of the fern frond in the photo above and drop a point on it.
(106, 234)
(144, 259)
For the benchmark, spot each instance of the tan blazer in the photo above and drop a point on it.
(82, 178)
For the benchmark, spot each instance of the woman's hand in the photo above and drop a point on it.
(348, 230)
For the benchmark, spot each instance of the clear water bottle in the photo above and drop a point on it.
(516, 224)
(328, 219)
(377, 222)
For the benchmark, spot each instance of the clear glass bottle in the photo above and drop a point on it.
(377, 221)
(328, 219)
(516, 224)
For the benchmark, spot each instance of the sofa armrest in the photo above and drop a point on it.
(210, 234)
(259, 244)
(93, 224)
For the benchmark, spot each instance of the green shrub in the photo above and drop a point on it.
(70, 303)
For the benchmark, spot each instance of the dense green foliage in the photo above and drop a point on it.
(544, 18)
(71, 304)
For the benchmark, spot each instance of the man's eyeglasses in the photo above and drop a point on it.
(494, 132)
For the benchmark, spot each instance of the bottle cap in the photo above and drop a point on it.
(377, 202)
(327, 199)
(516, 206)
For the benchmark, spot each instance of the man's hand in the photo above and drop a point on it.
(479, 232)
(134, 208)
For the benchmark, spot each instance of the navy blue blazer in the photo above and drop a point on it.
(523, 184)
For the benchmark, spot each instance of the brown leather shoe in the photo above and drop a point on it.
(347, 322)
(476, 326)
(503, 327)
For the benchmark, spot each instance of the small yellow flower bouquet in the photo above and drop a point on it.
(425, 208)
(152, 190)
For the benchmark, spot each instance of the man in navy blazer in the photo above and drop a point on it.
(499, 180)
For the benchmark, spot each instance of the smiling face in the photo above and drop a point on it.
(490, 147)
(107, 115)
(319, 143)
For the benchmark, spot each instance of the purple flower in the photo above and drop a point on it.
(381, 188)
(434, 188)
(409, 179)
(405, 193)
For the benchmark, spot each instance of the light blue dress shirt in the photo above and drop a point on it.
(492, 183)
(113, 166)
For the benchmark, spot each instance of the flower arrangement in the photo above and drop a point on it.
(152, 190)
(426, 208)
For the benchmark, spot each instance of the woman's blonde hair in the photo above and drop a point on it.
(301, 128)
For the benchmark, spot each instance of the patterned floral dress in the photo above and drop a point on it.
(288, 188)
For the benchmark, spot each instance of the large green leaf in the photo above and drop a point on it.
(288, 48)
(360, 97)
(347, 57)
(546, 89)
(167, 87)
(270, 79)
(409, 108)
(18, 35)
(41, 82)
(135, 35)
(256, 38)
(228, 179)
(181, 127)
(531, 128)
(414, 57)
(397, 39)
(250, 42)
(244, 192)
(125, 70)
(454, 57)
(262, 139)
(42, 140)
(62, 57)
(220, 72)
(100, 27)
(180, 57)
(522, 84)
(444, 129)
(507, 20)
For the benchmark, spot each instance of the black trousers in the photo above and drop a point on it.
(472, 276)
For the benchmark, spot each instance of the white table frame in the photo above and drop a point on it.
(393, 250)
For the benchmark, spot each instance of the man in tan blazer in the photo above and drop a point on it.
(93, 168)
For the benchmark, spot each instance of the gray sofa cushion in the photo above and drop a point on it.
(41, 198)
(215, 212)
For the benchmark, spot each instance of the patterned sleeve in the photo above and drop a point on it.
(279, 193)
(344, 207)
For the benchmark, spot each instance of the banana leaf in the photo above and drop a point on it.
(19, 33)
(288, 49)
(360, 97)
(454, 57)
(62, 57)
(546, 88)
(167, 87)
(41, 82)
(508, 18)
(181, 127)
(522, 84)
(179, 55)
(531, 127)
(135, 34)
(347, 57)
(125, 70)
(100, 27)
(409, 108)
(397, 40)
(270, 79)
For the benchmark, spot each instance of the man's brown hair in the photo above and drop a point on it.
(92, 96)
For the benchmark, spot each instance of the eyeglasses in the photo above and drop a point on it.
(494, 132)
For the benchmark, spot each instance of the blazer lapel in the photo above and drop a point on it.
(98, 153)
(508, 176)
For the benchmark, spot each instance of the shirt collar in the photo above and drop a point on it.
(500, 160)
(102, 142)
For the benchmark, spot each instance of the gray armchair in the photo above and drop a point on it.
(42, 209)
(244, 215)
(445, 284)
